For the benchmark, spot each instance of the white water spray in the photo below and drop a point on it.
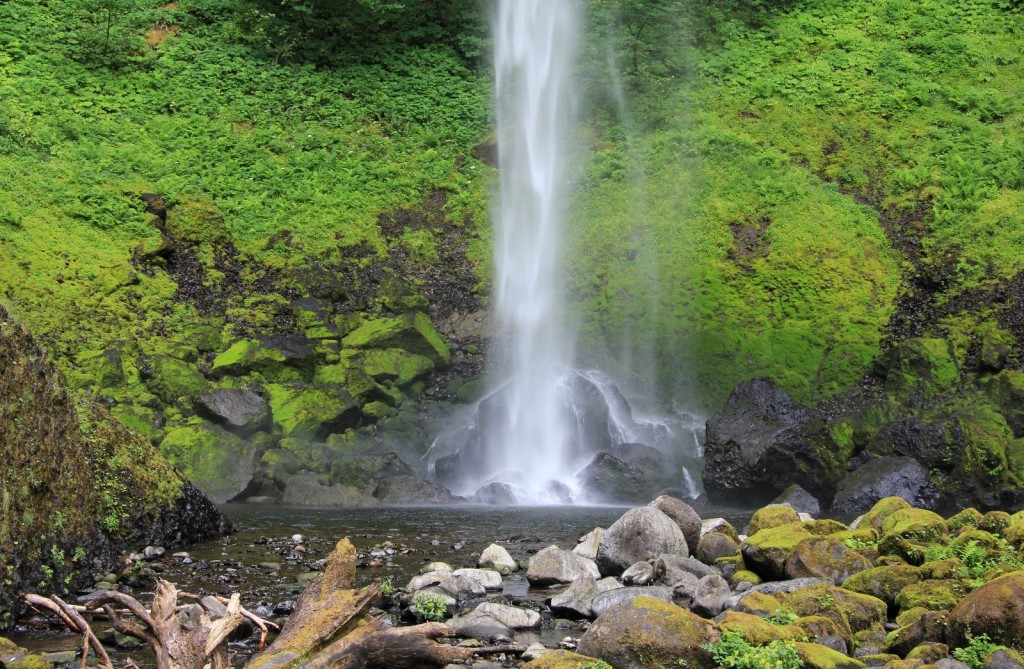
(534, 45)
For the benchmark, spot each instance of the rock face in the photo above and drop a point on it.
(646, 632)
(763, 441)
(125, 492)
(640, 534)
(886, 477)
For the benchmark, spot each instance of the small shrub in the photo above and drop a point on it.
(976, 650)
(733, 651)
(387, 587)
(784, 615)
(431, 607)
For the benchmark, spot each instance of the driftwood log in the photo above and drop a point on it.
(329, 628)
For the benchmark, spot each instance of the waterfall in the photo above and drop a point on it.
(530, 439)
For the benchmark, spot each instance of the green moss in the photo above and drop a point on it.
(217, 462)
(175, 381)
(301, 411)
(852, 610)
(755, 630)
(913, 524)
(824, 526)
(746, 576)
(562, 659)
(246, 356)
(766, 552)
(882, 509)
(412, 332)
(931, 594)
(885, 583)
(816, 656)
(139, 419)
(772, 515)
(396, 365)
(921, 367)
(969, 517)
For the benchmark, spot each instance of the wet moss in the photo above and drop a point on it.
(885, 583)
(931, 594)
(816, 656)
(772, 515)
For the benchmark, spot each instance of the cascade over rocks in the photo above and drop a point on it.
(762, 441)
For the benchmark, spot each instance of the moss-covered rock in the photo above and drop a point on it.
(561, 659)
(766, 552)
(396, 365)
(816, 656)
(758, 603)
(913, 525)
(646, 632)
(882, 509)
(994, 522)
(357, 383)
(311, 411)
(921, 368)
(772, 515)
(929, 626)
(14, 657)
(969, 517)
(851, 609)
(412, 332)
(995, 609)
(756, 630)
(175, 381)
(824, 557)
(139, 419)
(931, 594)
(885, 583)
(1007, 391)
(929, 652)
(948, 568)
(277, 359)
(824, 526)
(218, 462)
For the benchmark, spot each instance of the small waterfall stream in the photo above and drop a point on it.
(530, 439)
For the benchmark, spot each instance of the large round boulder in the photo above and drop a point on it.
(766, 552)
(640, 534)
(995, 609)
(554, 565)
(826, 557)
(648, 632)
(763, 441)
(884, 582)
(685, 517)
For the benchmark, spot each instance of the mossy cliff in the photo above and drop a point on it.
(76, 485)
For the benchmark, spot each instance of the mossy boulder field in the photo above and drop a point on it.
(245, 256)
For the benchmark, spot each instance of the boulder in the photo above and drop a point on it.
(510, 616)
(716, 545)
(996, 609)
(646, 632)
(641, 573)
(918, 369)
(479, 626)
(303, 411)
(710, 596)
(488, 578)
(396, 366)
(932, 594)
(241, 411)
(497, 558)
(766, 552)
(554, 565)
(609, 480)
(642, 533)
(883, 582)
(561, 659)
(305, 489)
(614, 596)
(886, 477)
(589, 543)
(852, 610)
(929, 626)
(772, 515)
(720, 525)
(412, 332)
(763, 441)
(219, 463)
(816, 656)
(798, 498)
(684, 516)
(412, 490)
(825, 557)
(174, 380)
(670, 568)
(279, 358)
(577, 600)
(494, 493)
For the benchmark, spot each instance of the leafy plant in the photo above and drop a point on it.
(859, 544)
(593, 664)
(431, 607)
(977, 649)
(733, 651)
(387, 587)
(784, 615)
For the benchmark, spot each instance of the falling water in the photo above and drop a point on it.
(530, 439)
(534, 44)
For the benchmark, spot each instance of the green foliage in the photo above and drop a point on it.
(784, 615)
(593, 664)
(733, 651)
(977, 558)
(387, 586)
(859, 544)
(431, 607)
(977, 649)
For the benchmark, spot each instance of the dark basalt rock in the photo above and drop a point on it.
(886, 477)
(799, 499)
(763, 441)
(608, 479)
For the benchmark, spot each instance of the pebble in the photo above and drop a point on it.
(297, 538)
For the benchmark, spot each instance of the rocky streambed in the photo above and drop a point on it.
(900, 587)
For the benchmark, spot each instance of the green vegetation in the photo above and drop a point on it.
(784, 615)
(977, 649)
(431, 607)
(733, 651)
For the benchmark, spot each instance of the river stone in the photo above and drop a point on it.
(684, 589)
(610, 598)
(996, 609)
(490, 579)
(554, 565)
(901, 477)
(720, 525)
(577, 600)
(772, 515)
(766, 552)
(510, 616)
(670, 569)
(641, 573)
(998, 659)
(642, 533)
(435, 566)
(762, 441)
(647, 632)
(710, 596)
(683, 515)
(826, 557)
(884, 582)
(479, 626)
(238, 410)
(404, 490)
(714, 546)
(497, 558)
(799, 499)
(587, 547)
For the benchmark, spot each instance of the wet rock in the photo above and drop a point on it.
(577, 600)
(714, 546)
(641, 573)
(642, 533)
(763, 441)
(554, 565)
(495, 494)
(609, 480)
(825, 557)
(306, 490)
(720, 525)
(589, 543)
(799, 499)
(479, 626)
(404, 490)
(241, 411)
(683, 515)
(616, 596)
(497, 558)
(646, 632)
(710, 596)
(766, 552)
(886, 477)
(510, 616)
(996, 609)
(671, 569)
(488, 578)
